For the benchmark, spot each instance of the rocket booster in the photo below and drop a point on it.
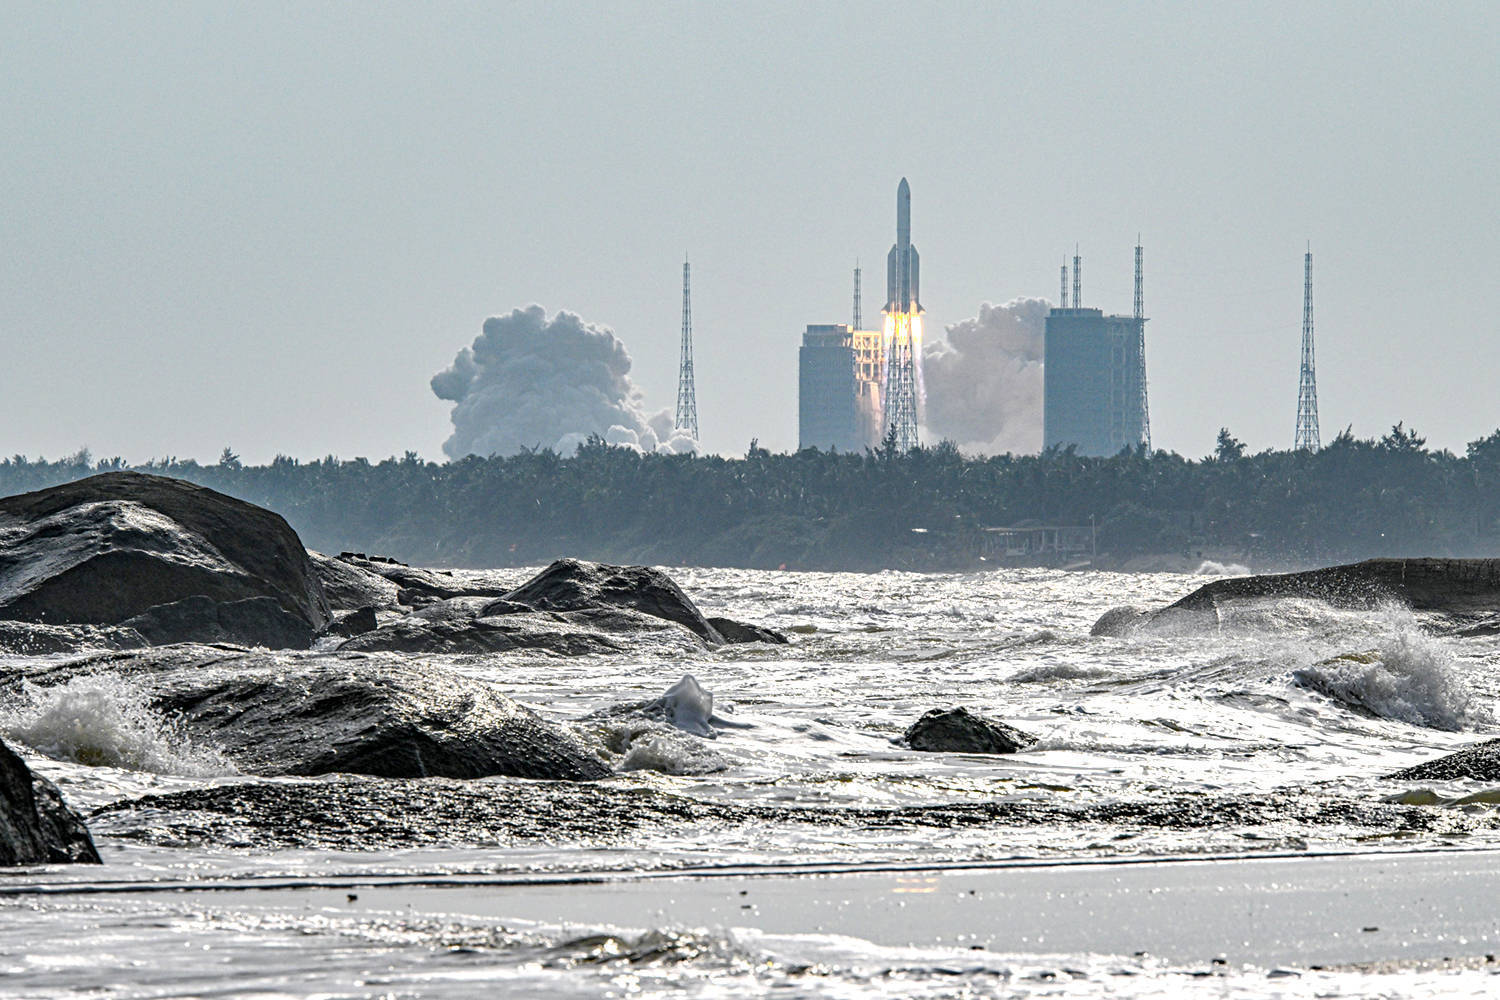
(901, 270)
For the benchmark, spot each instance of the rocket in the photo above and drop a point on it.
(901, 277)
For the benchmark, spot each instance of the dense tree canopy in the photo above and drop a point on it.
(823, 510)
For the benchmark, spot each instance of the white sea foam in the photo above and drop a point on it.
(1411, 678)
(1210, 568)
(101, 720)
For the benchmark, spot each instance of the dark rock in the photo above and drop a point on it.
(35, 639)
(573, 585)
(736, 632)
(1480, 762)
(1119, 622)
(36, 826)
(255, 621)
(1464, 590)
(306, 714)
(957, 730)
(107, 548)
(352, 623)
(349, 586)
(413, 634)
(419, 586)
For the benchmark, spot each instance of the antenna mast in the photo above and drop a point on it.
(687, 396)
(1307, 386)
(1062, 292)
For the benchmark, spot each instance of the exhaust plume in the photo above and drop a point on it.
(530, 380)
(984, 380)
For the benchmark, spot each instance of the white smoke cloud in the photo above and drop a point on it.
(984, 381)
(532, 380)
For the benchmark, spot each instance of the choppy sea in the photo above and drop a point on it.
(1265, 731)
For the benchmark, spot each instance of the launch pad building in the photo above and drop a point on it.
(838, 388)
(1093, 397)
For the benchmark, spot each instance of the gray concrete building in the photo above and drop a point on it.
(838, 388)
(1093, 394)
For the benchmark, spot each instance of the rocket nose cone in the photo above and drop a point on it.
(903, 188)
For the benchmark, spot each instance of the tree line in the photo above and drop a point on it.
(923, 509)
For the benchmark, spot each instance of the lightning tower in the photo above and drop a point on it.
(1307, 386)
(687, 396)
(859, 319)
(1077, 279)
(1140, 322)
(1062, 292)
(903, 329)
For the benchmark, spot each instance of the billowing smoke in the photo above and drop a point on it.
(984, 381)
(531, 380)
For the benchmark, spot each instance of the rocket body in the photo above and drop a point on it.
(902, 268)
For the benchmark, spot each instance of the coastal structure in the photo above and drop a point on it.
(1094, 376)
(903, 329)
(838, 388)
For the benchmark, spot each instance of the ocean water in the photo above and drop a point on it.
(1264, 731)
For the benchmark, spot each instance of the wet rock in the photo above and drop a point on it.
(957, 730)
(415, 587)
(104, 549)
(737, 632)
(378, 716)
(349, 586)
(414, 634)
(1465, 591)
(36, 826)
(1480, 763)
(574, 585)
(352, 623)
(34, 639)
(1119, 622)
(255, 621)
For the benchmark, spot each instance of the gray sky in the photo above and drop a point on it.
(269, 225)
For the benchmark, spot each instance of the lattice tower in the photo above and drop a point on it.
(687, 394)
(859, 320)
(1307, 385)
(1062, 292)
(1140, 323)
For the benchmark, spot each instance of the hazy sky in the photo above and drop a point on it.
(268, 226)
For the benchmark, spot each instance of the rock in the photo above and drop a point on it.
(414, 634)
(1119, 622)
(572, 585)
(350, 586)
(419, 586)
(255, 621)
(1466, 591)
(36, 826)
(957, 730)
(306, 714)
(352, 623)
(736, 632)
(1480, 762)
(104, 549)
(34, 639)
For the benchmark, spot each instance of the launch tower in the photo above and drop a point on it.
(903, 329)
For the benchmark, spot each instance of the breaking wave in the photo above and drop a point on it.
(104, 721)
(1412, 678)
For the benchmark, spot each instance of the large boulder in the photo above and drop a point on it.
(737, 632)
(416, 634)
(307, 714)
(254, 621)
(1463, 590)
(111, 547)
(957, 730)
(36, 826)
(1480, 762)
(415, 586)
(574, 585)
(350, 584)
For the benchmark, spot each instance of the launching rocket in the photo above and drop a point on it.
(901, 291)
